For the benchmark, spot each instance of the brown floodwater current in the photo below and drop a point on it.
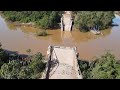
(89, 46)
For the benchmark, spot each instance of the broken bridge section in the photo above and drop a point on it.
(62, 63)
(66, 21)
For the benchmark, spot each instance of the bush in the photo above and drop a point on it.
(28, 50)
(43, 33)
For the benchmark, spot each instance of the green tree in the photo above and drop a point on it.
(86, 20)
(25, 73)
(44, 22)
(44, 19)
(31, 68)
(105, 67)
(37, 63)
(10, 70)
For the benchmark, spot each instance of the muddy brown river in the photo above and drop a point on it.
(89, 46)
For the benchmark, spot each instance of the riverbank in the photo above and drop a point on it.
(42, 19)
(20, 38)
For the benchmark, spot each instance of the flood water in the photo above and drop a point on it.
(89, 46)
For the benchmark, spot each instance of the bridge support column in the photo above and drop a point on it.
(62, 25)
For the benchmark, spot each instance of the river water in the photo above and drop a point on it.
(89, 46)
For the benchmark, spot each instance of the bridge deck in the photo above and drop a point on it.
(63, 64)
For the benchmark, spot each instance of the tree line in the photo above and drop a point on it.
(83, 20)
(87, 20)
(43, 19)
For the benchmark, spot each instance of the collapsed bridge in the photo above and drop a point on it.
(62, 64)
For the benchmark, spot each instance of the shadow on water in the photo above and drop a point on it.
(84, 61)
(15, 53)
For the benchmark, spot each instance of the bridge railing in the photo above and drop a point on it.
(77, 69)
(49, 54)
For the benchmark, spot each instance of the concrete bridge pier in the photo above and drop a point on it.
(66, 21)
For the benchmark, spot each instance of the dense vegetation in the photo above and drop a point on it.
(43, 19)
(87, 20)
(15, 67)
(84, 20)
(106, 67)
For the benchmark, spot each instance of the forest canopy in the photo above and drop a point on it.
(87, 20)
(83, 20)
(43, 19)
